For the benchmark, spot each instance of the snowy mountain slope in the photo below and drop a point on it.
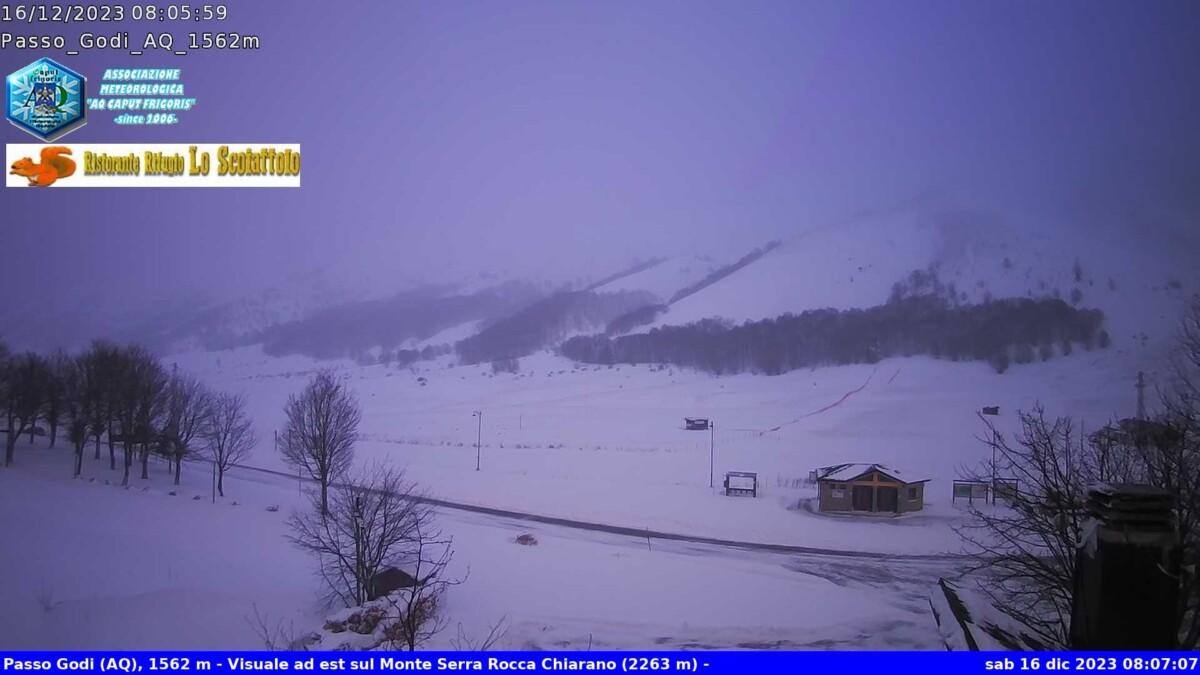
(1141, 287)
(844, 266)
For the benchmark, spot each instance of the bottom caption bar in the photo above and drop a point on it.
(533, 662)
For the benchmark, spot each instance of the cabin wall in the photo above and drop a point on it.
(829, 502)
(909, 504)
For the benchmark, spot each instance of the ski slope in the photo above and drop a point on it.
(665, 278)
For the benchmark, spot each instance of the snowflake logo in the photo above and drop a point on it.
(46, 99)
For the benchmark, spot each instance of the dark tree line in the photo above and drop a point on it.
(720, 274)
(637, 267)
(546, 322)
(122, 396)
(406, 357)
(641, 316)
(998, 332)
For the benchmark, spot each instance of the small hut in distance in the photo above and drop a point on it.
(868, 488)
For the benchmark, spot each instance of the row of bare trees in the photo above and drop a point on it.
(123, 396)
(361, 525)
(1026, 554)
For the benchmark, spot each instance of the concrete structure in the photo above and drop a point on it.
(868, 488)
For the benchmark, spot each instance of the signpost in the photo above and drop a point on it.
(741, 483)
(704, 424)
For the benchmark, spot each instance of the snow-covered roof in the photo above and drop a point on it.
(845, 472)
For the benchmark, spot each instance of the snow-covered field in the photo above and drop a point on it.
(607, 445)
(89, 565)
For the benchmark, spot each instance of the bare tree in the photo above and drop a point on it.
(1025, 555)
(496, 633)
(5, 358)
(227, 434)
(375, 522)
(105, 363)
(6, 423)
(80, 398)
(1171, 455)
(280, 637)
(188, 408)
(416, 610)
(58, 367)
(138, 403)
(321, 429)
(24, 382)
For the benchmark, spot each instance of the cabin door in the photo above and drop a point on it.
(887, 499)
(861, 498)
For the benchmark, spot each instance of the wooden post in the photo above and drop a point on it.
(1127, 572)
(712, 449)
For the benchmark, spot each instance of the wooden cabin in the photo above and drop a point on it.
(868, 488)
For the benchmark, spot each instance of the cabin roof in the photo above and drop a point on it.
(850, 471)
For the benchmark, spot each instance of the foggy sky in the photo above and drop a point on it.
(441, 138)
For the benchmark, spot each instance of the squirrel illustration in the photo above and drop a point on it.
(53, 167)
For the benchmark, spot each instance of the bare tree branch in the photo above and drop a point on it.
(227, 434)
(320, 432)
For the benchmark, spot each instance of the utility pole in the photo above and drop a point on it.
(359, 573)
(478, 437)
(1141, 400)
(992, 410)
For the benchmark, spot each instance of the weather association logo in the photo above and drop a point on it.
(45, 99)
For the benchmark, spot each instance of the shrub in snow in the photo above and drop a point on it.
(173, 493)
(527, 540)
(273, 508)
(378, 624)
(363, 621)
(196, 498)
(302, 643)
